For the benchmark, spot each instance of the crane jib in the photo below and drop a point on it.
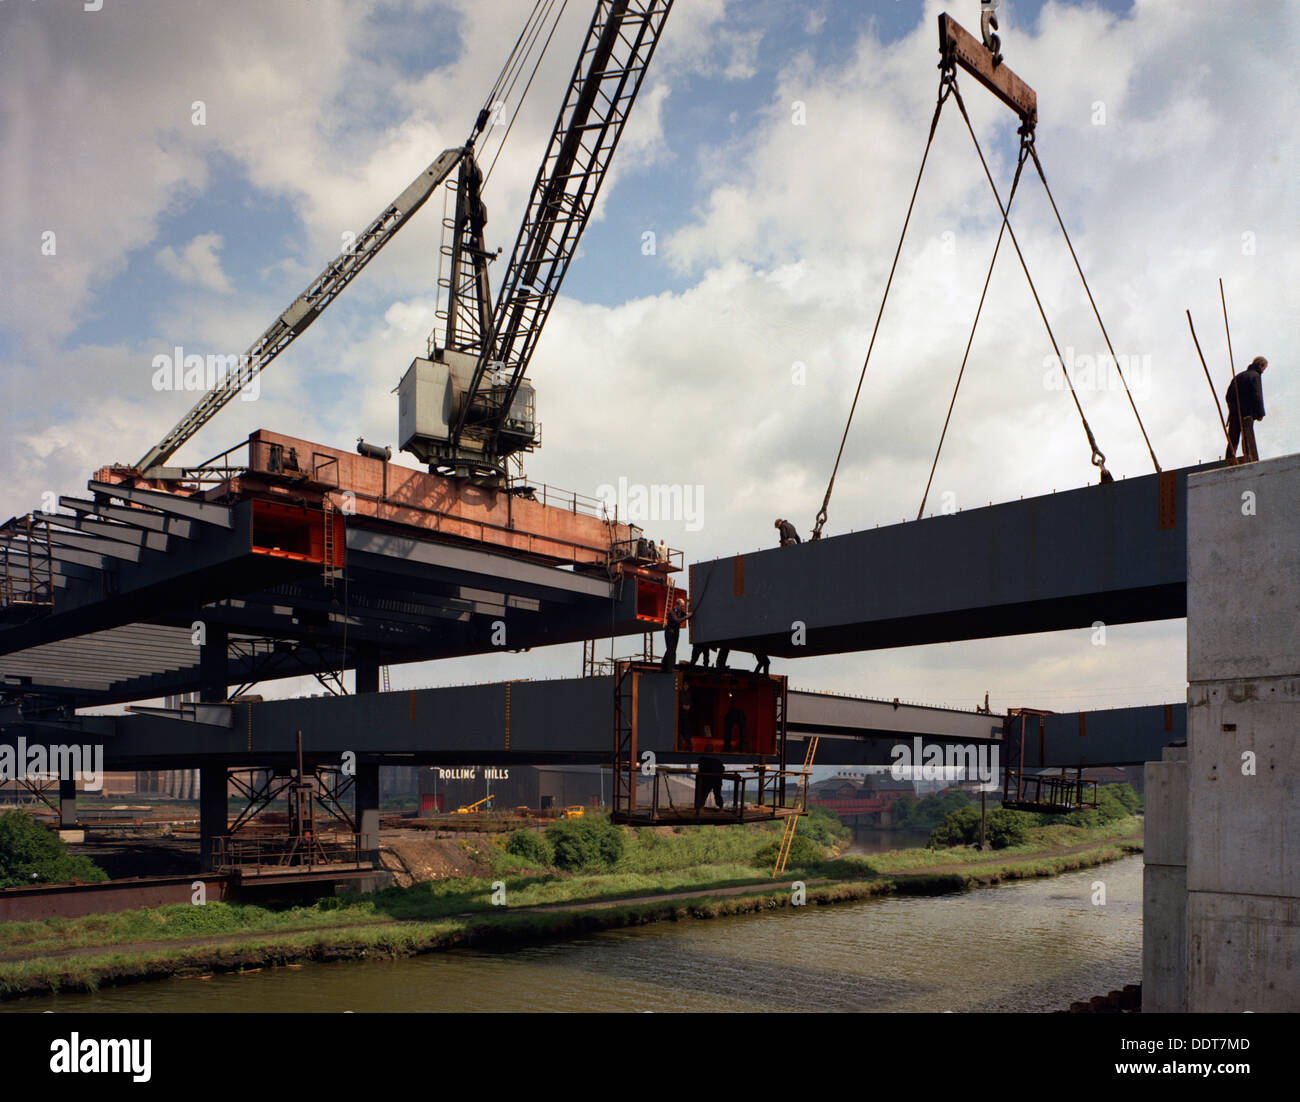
(309, 305)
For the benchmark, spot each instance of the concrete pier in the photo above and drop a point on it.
(1239, 910)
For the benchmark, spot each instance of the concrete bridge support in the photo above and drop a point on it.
(1240, 908)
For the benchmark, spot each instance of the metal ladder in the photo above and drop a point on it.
(327, 511)
(800, 800)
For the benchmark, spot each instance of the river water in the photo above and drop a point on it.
(1033, 945)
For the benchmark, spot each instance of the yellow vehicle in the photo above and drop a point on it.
(470, 809)
(577, 811)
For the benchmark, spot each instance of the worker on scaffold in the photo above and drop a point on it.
(788, 534)
(1245, 399)
(677, 616)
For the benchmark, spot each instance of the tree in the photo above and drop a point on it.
(32, 854)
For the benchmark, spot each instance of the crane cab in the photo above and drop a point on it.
(432, 396)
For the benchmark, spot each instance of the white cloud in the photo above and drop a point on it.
(197, 263)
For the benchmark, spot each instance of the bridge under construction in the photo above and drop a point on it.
(193, 583)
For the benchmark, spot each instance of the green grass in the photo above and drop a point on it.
(449, 913)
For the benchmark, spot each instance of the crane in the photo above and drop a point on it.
(468, 408)
(308, 306)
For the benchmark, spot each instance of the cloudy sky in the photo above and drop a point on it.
(174, 171)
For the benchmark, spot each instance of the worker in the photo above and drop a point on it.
(763, 662)
(677, 616)
(733, 728)
(788, 534)
(1245, 399)
(721, 663)
(708, 780)
(661, 552)
(698, 651)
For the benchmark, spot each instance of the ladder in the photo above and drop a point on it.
(800, 800)
(327, 551)
(384, 680)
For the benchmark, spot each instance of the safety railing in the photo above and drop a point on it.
(1049, 793)
(776, 793)
(242, 852)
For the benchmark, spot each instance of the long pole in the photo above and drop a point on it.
(1222, 423)
(1232, 370)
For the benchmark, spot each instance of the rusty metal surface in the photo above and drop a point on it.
(972, 55)
(74, 900)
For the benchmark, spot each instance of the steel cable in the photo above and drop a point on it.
(1096, 313)
(1098, 458)
(947, 84)
(1020, 164)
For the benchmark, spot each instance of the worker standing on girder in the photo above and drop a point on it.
(788, 534)
(677, 616)
(1245, 399)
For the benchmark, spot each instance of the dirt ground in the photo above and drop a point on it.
(141, 854)
(413, 856)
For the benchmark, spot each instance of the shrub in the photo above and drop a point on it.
(958, 828)
(32, 854)
(531, 846)
(803, 851)
(1005, 828)
(588, 844)
(1002, 828)
(822, 826)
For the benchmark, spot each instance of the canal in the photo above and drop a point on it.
(1032, 945)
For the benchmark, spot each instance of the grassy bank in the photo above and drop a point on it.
(83, 953)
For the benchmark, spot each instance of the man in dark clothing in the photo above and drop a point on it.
(1245, 400)
(677, 616)
(733, 729)
(788, 534)
(708, 780)
(721, 663)
(762, 662)
(699, 651)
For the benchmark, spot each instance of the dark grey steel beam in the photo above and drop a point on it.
(146, 519)
(1115, 553)
(220, 515)
(571, 720)
(39, 552)
(109, 548)
(1114, 736)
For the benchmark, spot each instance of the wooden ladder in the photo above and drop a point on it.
(800, 800)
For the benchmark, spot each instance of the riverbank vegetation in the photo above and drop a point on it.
(564, 883)
(31, 853)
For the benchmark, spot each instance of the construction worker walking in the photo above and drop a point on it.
(677, 616)
(1245, 400)
(788, 534)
